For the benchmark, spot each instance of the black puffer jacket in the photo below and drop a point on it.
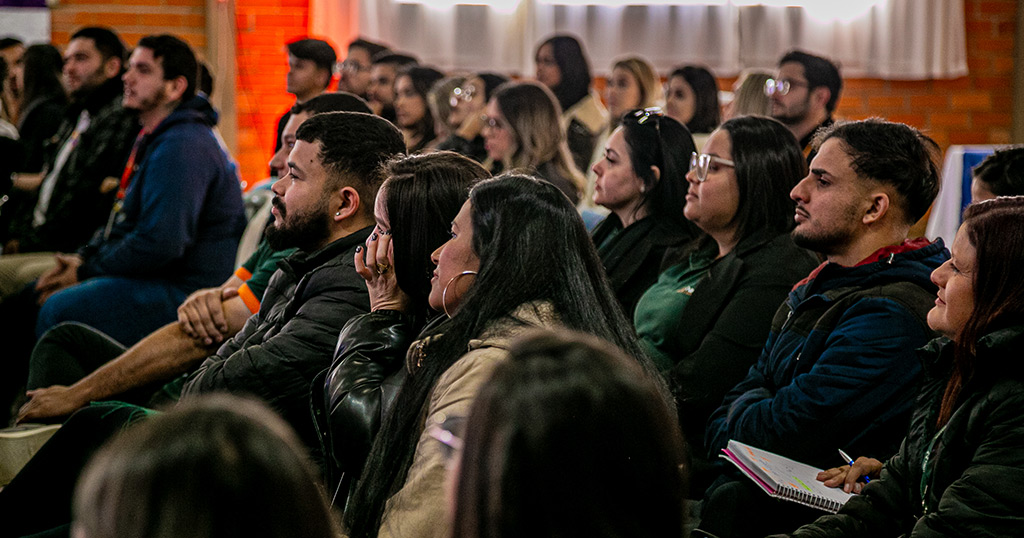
(289, 341)
(973, 483)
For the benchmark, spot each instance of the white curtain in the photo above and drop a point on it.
(891, 39)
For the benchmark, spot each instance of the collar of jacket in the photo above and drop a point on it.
(301, 262)
(912, 265)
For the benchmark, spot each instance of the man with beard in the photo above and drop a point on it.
(381, 89)
(74, 364)
(804, 94)
(325, 205)
(839, 369)
(91, 146)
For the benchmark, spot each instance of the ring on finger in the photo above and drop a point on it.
(382, 268)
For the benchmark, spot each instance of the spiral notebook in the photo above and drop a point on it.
(784, 478)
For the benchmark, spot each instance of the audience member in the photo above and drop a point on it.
(414, 210)
(804, 95)
(11, 50)
(310, 69)
(86, 155)
(707, 317)
(749, 97)
(467, 103)
(522, 132)
(839, 367)
(568, 437)
(173, 229)
(412, 115)
(321, 208)
(691, 98)
(563, 67)
(9, 149)
(498, 237)
(439, 102)
(221, 467)
(1000, 174)
(73, 364)
(354, 75)
(957, 470)
(633, 85)
(381, 91)
(43, 103)
(640, 180)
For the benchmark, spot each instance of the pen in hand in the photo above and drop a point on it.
(846, 457)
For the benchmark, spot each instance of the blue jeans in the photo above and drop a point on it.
(126, 309)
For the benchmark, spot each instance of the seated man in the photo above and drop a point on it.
(839, 369)
(322, 207)
(70, 351)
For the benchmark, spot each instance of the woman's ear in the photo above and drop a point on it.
(656, 171)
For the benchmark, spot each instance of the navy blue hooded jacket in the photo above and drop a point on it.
(182, 213)
(839, 368)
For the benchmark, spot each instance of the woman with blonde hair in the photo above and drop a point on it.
(748, 95)
(522, 132)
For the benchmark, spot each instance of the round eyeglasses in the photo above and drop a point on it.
(461, 94)
(700, 163)
(781, 87)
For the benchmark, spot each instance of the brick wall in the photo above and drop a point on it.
(975, 109)
(132, 19)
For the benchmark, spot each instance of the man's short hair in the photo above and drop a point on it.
(176, 58)
(9, 41)
(205, 81)
(353, 148)
(105, 40)
(1003, 172)
(332, 102)
(370, 47)
(318, 51)
(894, 154)
(819, 72)
(394, 58)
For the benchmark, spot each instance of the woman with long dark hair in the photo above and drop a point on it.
(412, 113)
(466, 118)
(568, 438)
(706, 319)
(958, 471)
(640, 180)
(522, 134)
(562, 66)
(43, 102)
(414, 210)
(691, 98)
(518, 257)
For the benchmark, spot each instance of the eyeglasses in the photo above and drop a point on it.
(349, 66)
(461, 94)
(782, 87)
(447, 433)
(493, 123)
(700, 164)
(645, 114)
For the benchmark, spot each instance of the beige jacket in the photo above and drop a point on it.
(419, 509)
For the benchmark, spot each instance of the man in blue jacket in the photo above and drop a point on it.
(178, 216)
(839, 369)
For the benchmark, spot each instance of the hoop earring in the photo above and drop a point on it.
(444, 292)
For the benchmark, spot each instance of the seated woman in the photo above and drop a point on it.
(467, 103)
(748, 98)
(218, 467)
(522, 133)
(568, 438)
(960, 466)
(519, 257)
(411, 112)
(414, 210)
(563, 67)
(439, 105)
(707, 317)
(691, 98)
(640, 180)
(633, 85)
